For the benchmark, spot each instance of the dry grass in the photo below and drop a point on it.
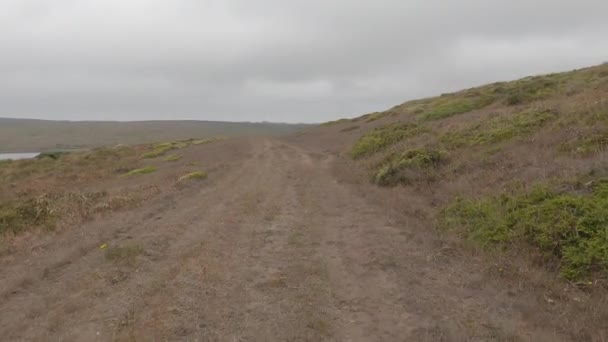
(142, 171)
(197, 175)
(59, 190)
(173, 158)
(123, 254)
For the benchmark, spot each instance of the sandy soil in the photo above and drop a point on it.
(273, 247)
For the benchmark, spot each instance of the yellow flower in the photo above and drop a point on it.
(103, 246)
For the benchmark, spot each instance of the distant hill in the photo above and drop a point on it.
(17, 135)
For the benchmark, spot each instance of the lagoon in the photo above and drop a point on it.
(16, 156)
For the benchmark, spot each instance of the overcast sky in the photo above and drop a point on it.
(276, 60)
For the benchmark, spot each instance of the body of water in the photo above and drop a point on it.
(15, 156)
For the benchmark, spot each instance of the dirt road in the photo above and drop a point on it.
(273, 247)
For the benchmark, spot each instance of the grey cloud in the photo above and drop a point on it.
(297, 61)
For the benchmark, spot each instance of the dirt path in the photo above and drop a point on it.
(274, 248)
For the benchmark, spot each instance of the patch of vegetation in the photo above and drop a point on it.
(587, 144)
(568, 226)
(349, 129)
(383, 137)
(197, 175)
(161, 149)
(204, 141)
(173, 157)
(379, 115)
(158, 151)
(455, 104)
(18, 216)
(530, 89)
(497, 130)
(52, 155)
(419, 163)
(141, 171)
(123, 254)
(335, 122)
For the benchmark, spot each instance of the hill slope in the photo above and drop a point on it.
(504, 161)
(42, 135)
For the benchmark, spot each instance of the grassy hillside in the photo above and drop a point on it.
(508, 166)
(18, 135)
(55, 190)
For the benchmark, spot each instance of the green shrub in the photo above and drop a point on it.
(383, 137)
(532, 89)
(419, 161)
(497, 130)
(570, 227)
(197, 175)
(142, 171)
(454, 104)
(18, 216)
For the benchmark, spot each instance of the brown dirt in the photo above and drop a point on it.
(272, 246)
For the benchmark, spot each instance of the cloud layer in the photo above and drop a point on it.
(294, 61)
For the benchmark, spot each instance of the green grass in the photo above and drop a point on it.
(383, 137)
(497, 130)
(571, 227)
(197, 175)
(142, 171)
(173, 157)
(157, 152)
(450, 105)
(418, 162)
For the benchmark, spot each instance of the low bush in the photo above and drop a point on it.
(568, 226)
(419, 163)
(383, 137)
(17, 216)
(531, 89)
